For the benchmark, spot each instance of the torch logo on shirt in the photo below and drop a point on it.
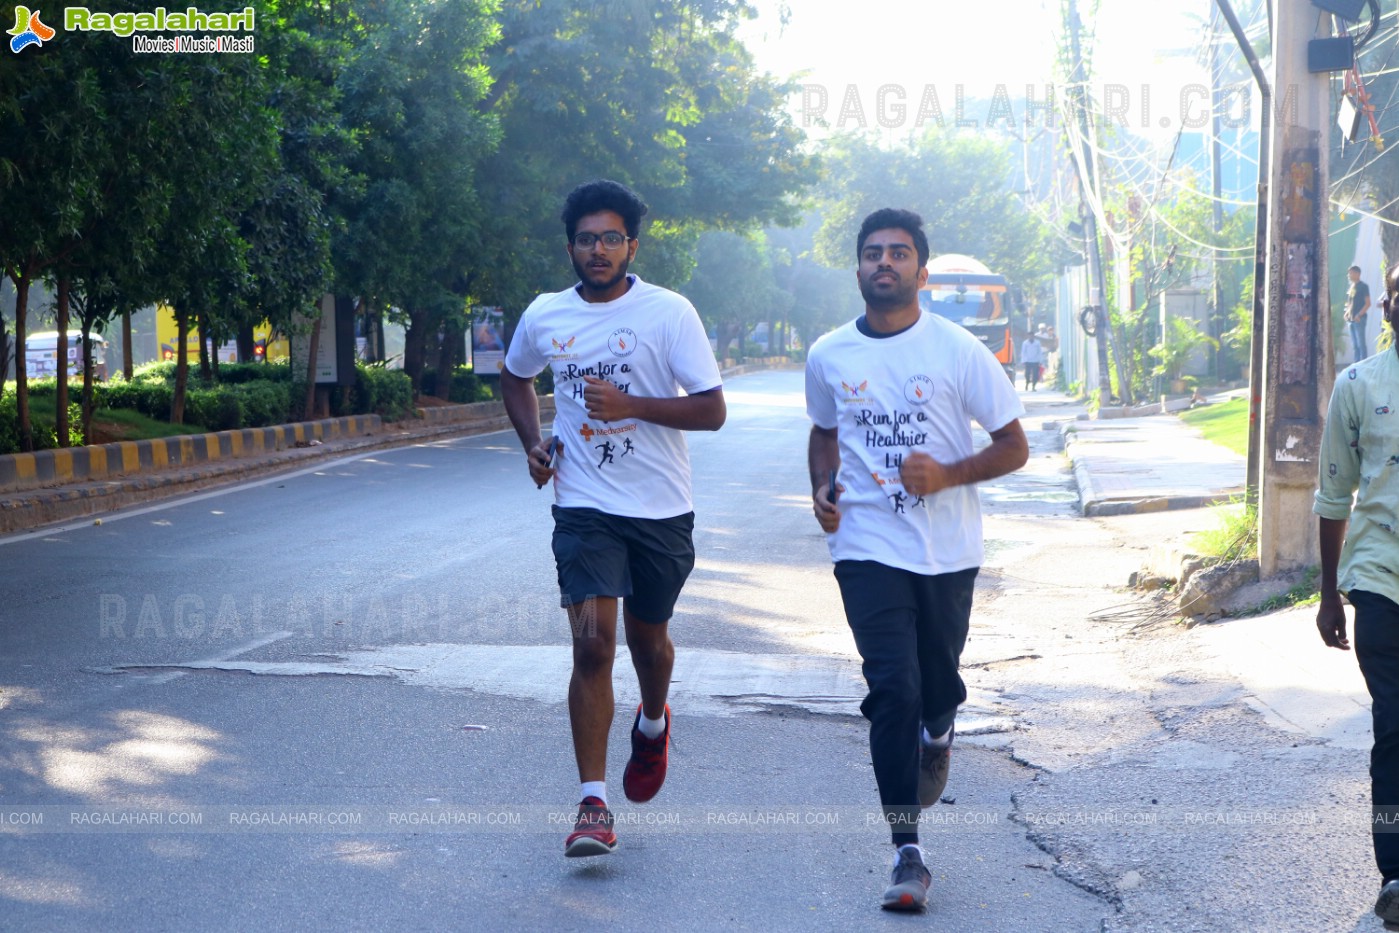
(919, 390)
(622, 342)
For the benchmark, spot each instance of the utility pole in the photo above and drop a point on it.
(1298, 362)
(1260, 252)
(1216, 184)
(1097, 291)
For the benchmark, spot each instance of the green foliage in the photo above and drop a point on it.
(42, 413)
(1234, 537)
(959, 183)
(1182, 338)
(145, 393)
(384, 392)
(733, 286)
(467, 386)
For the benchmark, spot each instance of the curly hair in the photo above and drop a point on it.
(603, 195)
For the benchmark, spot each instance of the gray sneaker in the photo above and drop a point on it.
(933, 765)
(908, 889)
(1387, 904)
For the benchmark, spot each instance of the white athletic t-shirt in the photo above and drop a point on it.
(887, 397)
(649, 342)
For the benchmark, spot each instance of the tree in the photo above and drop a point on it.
(412, 90)
(959, 183)
(732, 286)
(657, 94)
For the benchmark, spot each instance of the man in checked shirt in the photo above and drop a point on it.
(1360, 558)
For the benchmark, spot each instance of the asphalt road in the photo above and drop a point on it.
(334, 700)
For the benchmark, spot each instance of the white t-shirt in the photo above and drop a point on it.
(649, 342)
(887, 397)
(1031, 351)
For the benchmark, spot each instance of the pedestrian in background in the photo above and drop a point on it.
(893, 471)
(621, 352)
(1359, 557)
(1357, 313)
(1032, 356)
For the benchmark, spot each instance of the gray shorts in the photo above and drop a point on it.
(645, 561)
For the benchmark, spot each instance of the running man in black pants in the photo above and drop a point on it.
(890, 396)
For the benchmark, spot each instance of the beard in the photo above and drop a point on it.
(886, 296)
(601, 279)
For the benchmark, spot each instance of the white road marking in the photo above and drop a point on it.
(705, 682)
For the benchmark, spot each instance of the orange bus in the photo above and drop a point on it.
(966, 292)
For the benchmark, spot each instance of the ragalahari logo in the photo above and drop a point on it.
(29, 30)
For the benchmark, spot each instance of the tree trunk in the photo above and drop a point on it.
(4, 356)
(309, 409)
(177, 404)
(247, 352)
(446, 361)
(88, 388)
(26, 428)
(205, 373)
(128, 366)
(61, 351)
(415, 350)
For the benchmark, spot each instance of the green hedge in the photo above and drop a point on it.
(42, 422)
(387, 393)
(240, 400)
(467, 386)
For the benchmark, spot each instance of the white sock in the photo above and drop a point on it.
(596, 789)
(908, 845)
(941, 741)
(651, 728)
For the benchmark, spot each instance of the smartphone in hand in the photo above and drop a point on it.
(549, 451)
(831, 488)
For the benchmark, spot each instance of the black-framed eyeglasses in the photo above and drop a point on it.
(610, 240)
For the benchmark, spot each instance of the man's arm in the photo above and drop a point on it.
(1007, 452)
(522, 406)
(703, 411)
(823, 456)
(1330, 614)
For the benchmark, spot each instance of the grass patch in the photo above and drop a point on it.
(1234, 538)
(1225, 424)
(124, 424)
(1305, 593)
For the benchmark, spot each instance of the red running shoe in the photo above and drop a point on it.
(592, 831)
(646, 770)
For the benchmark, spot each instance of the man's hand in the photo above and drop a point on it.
(1331, 622)
(922, 475)
(540, 468)
(826, 512)
(605, 401)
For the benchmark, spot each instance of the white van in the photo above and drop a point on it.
(41, 355)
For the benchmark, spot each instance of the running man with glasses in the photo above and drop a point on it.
(632, 369)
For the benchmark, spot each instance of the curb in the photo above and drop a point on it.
(1092, 504)
(49, 500)
(26, 471)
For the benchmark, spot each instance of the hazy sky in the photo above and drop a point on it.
(976, 44)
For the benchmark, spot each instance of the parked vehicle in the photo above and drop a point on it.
(41, 355)
(966, 292)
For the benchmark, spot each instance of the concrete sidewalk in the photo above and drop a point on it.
(1151, 464)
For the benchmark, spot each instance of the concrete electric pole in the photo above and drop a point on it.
(1298, 362)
